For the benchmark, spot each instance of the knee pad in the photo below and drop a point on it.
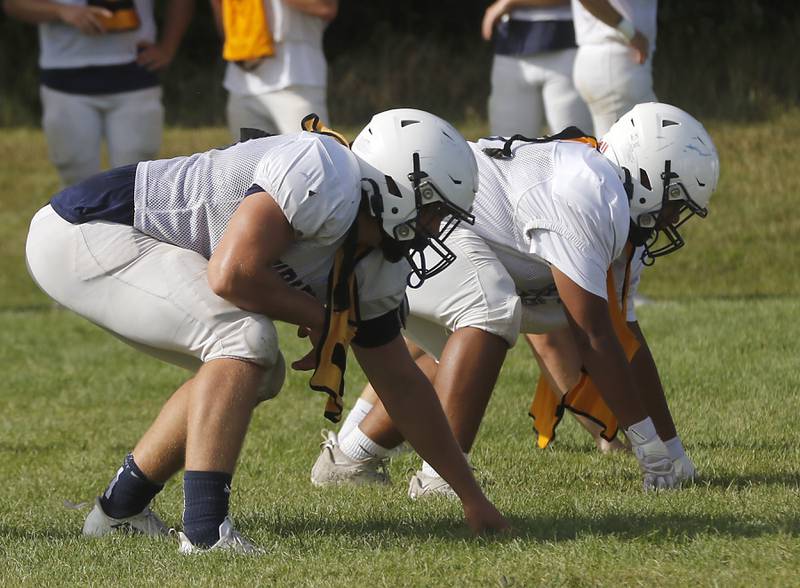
(272, 381)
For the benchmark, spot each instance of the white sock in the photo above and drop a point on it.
(675, 448)
(428, 469)
(641, 432)
(356, 445)
(355, 416)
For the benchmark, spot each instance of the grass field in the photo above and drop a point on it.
(724, 328)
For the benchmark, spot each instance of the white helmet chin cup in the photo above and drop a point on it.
(667, 155)
(410, 158)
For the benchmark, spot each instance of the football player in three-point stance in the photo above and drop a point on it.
(551, 217)
(191, 259)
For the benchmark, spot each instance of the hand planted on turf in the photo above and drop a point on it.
(657, 469)
(485, 519)
(684, 469)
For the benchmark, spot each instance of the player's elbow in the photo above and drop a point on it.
(223, 279)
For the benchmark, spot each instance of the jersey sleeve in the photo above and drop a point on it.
(586, 222)
(315, 181)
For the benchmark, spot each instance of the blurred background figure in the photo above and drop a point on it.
(534, 52)
(98, 77)
(276, 72)
(614, 65)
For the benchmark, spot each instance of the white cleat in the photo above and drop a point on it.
(98, 523)
(423, 485)
(229, 540)
(684, 469)
(656, 465)
(333, 466)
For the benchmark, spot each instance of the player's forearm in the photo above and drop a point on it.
(324, 9)
(33, 11)
(412, 404)
(603, 11)
(176, 22)
(604, 360)
(265, 292)
(648, 381)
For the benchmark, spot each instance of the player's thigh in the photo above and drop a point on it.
(73, 127)
(475, 291)
(148, 293)
(134, 126)
(515, 102)
(290, 105)
(610, 82)
(248, 112)
(562, 103)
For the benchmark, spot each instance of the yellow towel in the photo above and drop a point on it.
(247, 34)
(123, 15)
(341, 309)
(547, 409)
(341, 324)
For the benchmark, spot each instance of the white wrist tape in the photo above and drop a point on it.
(626, 28)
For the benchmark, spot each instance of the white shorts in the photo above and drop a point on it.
(475, 291)
(281, 111)
(152, 295)
(529, 91)
(611, 83)
(75, 124)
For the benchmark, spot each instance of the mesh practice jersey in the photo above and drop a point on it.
(558, 203)
(188, 201)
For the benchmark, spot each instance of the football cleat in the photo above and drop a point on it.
(424, 485)
(98, 523)
(229, 540)
(333, 466)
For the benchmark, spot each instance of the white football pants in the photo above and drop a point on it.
(529, 91)
(611, 83)
(475, 291)
(76, 124)
(152, 295)
(276, 112)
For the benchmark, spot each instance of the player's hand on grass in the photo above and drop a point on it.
(154, 56)
(484, 519)
(685, 471)
(87, 19)
(657, 470)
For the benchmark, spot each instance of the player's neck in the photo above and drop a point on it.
(369, 233)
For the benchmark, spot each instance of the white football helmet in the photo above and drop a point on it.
(411, 159)
(664, 156)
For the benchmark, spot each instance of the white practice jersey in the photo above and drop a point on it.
(64, 46)
(188, 201)
(591, 31)
(558, 204)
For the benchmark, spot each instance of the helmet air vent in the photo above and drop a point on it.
(644, 179)
(668, 123)
(407, 122)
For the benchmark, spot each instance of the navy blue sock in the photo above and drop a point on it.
(205, 505)
(129, 492)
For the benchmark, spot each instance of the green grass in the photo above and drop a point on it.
(724, 330)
